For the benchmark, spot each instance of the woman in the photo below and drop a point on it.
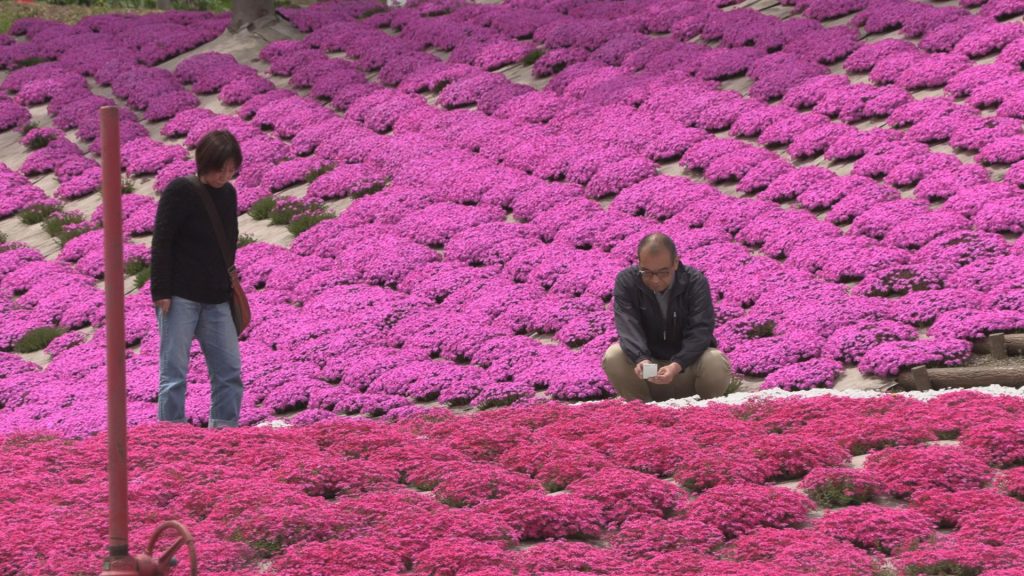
(190, 283)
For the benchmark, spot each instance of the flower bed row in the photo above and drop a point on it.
(535, 489)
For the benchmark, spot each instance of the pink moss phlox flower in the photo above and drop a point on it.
(798, 182)
(887, 156)
(537, 516)
(13, 115)
(863, 59)
(816, 373)
(775, 74)
(626, 494)
(244, 88)
(970, 199)
(971, 324)
(851, 343)
(888, 358)
(945, 37)
(1002, 215)
(946, 508)
(784, 130)
(870, 526)
(739, 509)
(138, 213)
(906, 470)
(147, 156)
(943, 183)
(240, 129)
(845, 258)
(855, 145)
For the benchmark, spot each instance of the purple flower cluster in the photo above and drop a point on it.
(18, 193)
(13, 115)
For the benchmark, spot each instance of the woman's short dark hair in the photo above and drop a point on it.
(215, 149)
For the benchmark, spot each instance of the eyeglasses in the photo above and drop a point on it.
(661, 274)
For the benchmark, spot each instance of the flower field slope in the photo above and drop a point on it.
(464, 181)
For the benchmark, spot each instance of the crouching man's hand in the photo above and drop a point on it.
(667, 374)
(639, 368)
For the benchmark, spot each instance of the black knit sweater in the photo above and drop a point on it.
(186, 258)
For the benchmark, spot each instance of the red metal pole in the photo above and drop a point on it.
(119, 563)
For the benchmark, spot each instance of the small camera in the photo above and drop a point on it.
(650, 370)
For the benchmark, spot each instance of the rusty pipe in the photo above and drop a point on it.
(113, 277)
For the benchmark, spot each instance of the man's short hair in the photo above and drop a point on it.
(657, 242)
(215, 149)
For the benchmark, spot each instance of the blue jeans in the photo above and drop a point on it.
(213, 326)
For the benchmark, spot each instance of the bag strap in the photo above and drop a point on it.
(218, 226)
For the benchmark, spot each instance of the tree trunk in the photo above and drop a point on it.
(244, 13)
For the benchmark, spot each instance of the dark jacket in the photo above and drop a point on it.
(186, 258)
(645, 334)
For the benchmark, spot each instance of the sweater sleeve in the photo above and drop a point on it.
(170, 214)
(627, 323)
(700, 325)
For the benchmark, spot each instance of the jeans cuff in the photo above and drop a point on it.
(223, 423)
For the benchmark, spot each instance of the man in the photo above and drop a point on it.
(664, 316)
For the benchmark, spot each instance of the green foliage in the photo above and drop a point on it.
(314, 174)
(3, 238)
(36, 214)
(66, 225)
(30, 62)
(245, 239)
(735, 382)
(303, 222)
(266, 548)
(262, 208)
(371, 189)
(532, 57)
(116, 5)
(943, 568)
(134, 266)
(69, 234)
(38, 141)
(286, 211)
(55, 223)
(142, 277)
(127, 186)
(838, 494)
(371, 11)
(37, 339)
(498, 402)
(66, 11)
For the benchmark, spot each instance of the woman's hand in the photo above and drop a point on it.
(163, 305)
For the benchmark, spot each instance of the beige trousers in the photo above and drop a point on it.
(708, 377)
